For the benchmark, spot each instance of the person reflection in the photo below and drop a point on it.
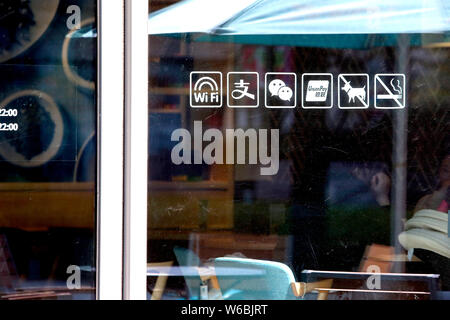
(358, 212)
(439, 198)
(426, 231)
(378, 181)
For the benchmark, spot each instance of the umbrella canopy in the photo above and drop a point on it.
(329, 23)
(195, 16)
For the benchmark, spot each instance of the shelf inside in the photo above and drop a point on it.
(208, 185)
(161, 110)
(40, 206)
(173, 91)
(169, 91)
(46, 186)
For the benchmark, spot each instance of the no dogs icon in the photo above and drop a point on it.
(353, 91)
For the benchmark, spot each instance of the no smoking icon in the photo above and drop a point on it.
(390, 91)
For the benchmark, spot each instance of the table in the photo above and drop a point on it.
(391, 285)
(187, 271)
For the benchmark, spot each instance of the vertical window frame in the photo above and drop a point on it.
(110, 149)
(136, 150)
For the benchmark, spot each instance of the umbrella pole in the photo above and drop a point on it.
(399, 158)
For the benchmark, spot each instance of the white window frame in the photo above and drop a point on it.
(123, 150)
(136, 149)
(110, 150)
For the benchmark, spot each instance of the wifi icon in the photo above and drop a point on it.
(206, 89)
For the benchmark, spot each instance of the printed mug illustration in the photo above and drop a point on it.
(281, 90)
(353, 91)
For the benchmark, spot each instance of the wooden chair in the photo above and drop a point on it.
(161, 281)
(9, 280)
(7, 268)
(205, 275)
(301, 288)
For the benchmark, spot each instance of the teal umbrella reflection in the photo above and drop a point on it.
(308, 23)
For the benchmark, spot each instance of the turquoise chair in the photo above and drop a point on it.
(263, 280)
(187, 258)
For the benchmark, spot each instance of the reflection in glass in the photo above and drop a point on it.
(358, 190)
(47, 149)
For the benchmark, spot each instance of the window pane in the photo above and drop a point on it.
(293, 141)
(48, 149)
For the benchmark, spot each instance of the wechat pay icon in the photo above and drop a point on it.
(281, 90)
(278, 88)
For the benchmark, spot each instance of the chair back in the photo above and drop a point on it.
(254, 279)
(187, 258)
(8, 274)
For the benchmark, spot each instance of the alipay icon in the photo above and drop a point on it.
(243, 89)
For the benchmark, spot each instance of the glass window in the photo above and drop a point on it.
(48, 149)
(298, 142)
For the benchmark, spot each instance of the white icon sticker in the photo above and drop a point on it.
(390, 91)
(206, 89)
(285, 93)
(317, 90)
(353, 91)
(281, 90)
(243, 89)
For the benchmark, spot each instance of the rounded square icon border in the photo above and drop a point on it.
(220, 89)
(257, 89)
(339, 91)
(375, 90)
(331, 87)
(295, 90)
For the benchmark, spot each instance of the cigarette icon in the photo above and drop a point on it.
(392, 87)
